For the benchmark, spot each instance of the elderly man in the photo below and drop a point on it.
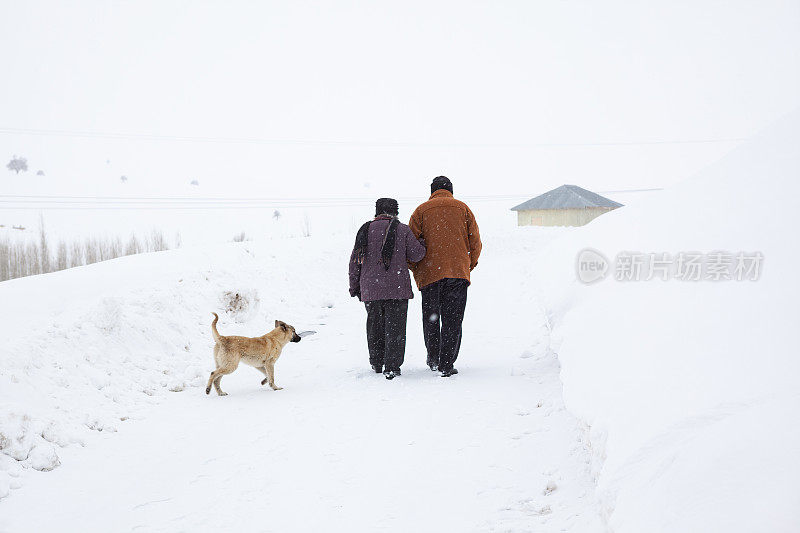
(453, 245)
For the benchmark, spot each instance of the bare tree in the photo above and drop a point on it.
(116, 248)
(18, 164)
(157, 242)
(109, 249)
(103, 251)
(62, 256)
(5, 266)
(76, 255)
(90, 249)
(16, 258)
(123, 179)
(40, 172)
(276, 215)
(133, 247)
(45, 263)
(33, 264)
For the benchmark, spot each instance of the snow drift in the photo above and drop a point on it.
(690, 388)
(87, 349)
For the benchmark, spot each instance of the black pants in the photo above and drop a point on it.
(443, 305)
(386, 332)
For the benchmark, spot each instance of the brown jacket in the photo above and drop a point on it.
(451, 237)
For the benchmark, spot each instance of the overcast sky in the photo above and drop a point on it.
(407, 74)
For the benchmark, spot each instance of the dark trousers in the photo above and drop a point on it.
(443, 305)
(386, 332)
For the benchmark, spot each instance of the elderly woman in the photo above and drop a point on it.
(379, 278)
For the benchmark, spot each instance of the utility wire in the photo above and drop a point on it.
(84, 199)
(250, 199)
(331, 142)
(53, 202)
(189, 206)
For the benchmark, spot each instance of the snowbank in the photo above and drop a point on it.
(87, 349)
(690, 387)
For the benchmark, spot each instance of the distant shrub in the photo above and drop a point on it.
(133, 247)
(62, 256)
(21, 257)
(4, 255)
(240, 237)
(158, 242)
(18, 164)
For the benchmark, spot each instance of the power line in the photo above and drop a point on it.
(55, 202)
(630, 190)
(188, 206)
(122, 200)
(48, 198)
(163, 208)
(343, 143)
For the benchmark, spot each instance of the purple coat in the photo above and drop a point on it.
(371, 279)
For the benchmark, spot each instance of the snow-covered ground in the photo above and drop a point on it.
(690, 387)
(635, 407)
(95, 353)
(678, 408)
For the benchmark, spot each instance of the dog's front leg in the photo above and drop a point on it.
(270, 366)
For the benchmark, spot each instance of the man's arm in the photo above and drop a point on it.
(474, 236)
(416, 223)
(415, 250)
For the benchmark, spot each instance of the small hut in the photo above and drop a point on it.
(568, 205)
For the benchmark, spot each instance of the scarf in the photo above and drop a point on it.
(387, 249)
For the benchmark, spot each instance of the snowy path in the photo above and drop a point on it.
(340, 448)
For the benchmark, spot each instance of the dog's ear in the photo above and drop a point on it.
(277, 323)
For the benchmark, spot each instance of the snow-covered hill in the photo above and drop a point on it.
(98, 354)
(96, 346)
(687, 388)
(690, 387)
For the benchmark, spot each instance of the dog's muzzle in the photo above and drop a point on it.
(296, 338)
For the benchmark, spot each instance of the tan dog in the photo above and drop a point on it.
(258, 352)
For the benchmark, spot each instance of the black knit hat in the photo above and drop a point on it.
(386, 206)
(441, 182)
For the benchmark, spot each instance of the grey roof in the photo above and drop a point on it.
(567, 197)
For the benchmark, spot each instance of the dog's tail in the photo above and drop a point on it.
(214, 331)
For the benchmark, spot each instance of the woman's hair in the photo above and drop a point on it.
(386, 206)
